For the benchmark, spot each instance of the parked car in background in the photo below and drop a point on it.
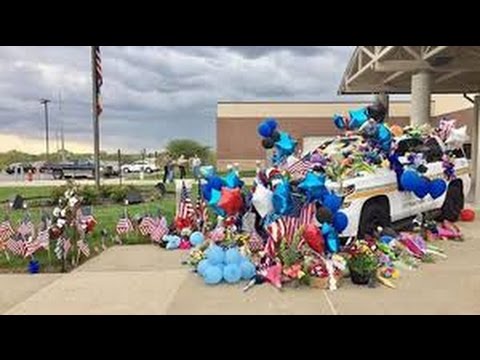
(72, 169)
(18, 167)
(109, 169)
(141, 165)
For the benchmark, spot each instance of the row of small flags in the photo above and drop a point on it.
(25, 242)
(157, 227)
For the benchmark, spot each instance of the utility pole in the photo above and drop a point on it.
(62, 135)
(45, 102)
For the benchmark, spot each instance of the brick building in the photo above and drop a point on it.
(308, 122)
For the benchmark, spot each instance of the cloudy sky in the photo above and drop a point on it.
(152, 94)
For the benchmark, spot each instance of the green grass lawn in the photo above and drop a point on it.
(106, 216)
(6, 193)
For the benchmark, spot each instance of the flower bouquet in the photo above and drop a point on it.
(362, 263)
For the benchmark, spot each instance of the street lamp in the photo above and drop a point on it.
(45, 102)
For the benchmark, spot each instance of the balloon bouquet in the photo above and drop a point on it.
(218, 256)
(294, 210)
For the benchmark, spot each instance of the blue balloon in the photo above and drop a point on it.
(219, 211)
(216, 182)
(248, 270)
(313, 186)
(232, 180)
(265, 129)
(282, 199)
(423, 187)
(384, 137)
(232, 273)
(173, 242)
(358, 118)
(215, 197)
(333, 243)
(196, 238)
(409, 180)
(207, 171)
(340, 221)
(232, 256)
(215, 255)
(212, 275)
(385, 239)
(327, 229)
(437, 188)
(332, 202)
(339, 121)
(202, 266)
(207, 191)
(272, 123)
(33, 267)
(286, 145)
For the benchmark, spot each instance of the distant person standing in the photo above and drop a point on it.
(171, 171)
(182, 162)
(196, 163)
(168, 170)
(165, 168)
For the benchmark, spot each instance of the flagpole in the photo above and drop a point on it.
(96, 129)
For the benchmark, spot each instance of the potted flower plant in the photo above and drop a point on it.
(362, 266)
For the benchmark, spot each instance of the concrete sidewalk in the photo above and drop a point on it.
(149, 280)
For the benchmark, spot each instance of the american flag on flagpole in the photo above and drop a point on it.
(185, 207)
(124, 225)
(99, 78)
(6, 230)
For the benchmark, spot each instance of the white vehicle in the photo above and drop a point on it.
(139, 166)
(374, 199)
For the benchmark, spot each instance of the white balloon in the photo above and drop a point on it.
(262, 200)
(457, 138)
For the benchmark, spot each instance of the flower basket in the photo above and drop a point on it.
(360, 278)
(323, 282)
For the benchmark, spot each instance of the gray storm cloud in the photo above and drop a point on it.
(154, 94)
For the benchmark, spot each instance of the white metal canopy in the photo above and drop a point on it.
(389, 69)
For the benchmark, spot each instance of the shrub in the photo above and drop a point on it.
(90, 195)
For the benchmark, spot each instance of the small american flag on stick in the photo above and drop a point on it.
(185, 207)
(146, 226)
(41, 242)
(26, 228)
(16, 247)
(160, 230)
(6, 230)
(83, 247)
(301, 167)
(124, 225)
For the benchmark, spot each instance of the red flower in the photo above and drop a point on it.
(182, 223)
